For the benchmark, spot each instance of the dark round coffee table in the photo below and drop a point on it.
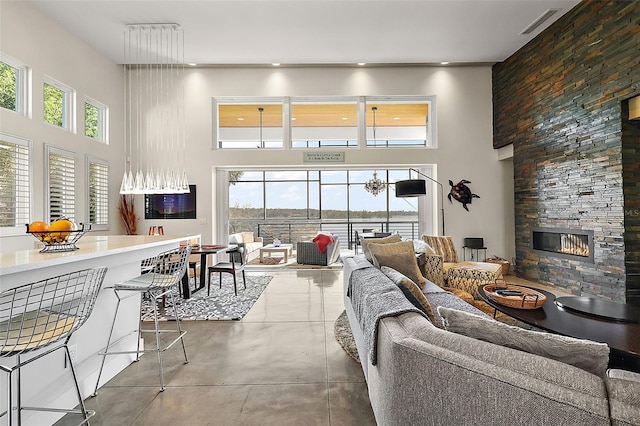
(623, 338)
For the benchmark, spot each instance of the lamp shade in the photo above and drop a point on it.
(411, 188)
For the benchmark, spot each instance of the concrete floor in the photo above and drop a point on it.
(279, 365)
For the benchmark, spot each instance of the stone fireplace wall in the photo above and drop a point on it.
(559, 100)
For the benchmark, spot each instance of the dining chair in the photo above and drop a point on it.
(161, 281)
(42, 316)
(232, 267)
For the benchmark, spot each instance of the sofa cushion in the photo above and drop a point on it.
(399, 256)
(247, 237)
(443, 246)
(410, 289)
(587, 355)
(468, 276)
(385, 240)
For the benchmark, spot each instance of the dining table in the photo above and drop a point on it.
(204, 250)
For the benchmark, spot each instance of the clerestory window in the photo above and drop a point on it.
(59, 104)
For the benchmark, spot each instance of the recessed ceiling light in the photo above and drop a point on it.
(444, 63)
(396, 118)
(362, 63)
(345, 118)
(192, 64)
(293, 119)
(275, 64)
(240, 119)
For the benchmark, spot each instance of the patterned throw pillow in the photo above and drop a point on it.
(399, 256)
(443, 246)
(386, 240)
(585, 354)
(247, 237)
(411, 291)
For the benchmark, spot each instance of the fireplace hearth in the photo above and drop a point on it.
(565, 243)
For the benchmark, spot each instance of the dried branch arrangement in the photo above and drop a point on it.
(128, 213)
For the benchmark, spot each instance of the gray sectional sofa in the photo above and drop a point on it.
(420, 374)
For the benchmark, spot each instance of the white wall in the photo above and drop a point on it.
(464, 125)
(48, 49)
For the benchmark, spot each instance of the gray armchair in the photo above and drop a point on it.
(308, 254)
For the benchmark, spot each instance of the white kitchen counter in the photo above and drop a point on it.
(46, 382)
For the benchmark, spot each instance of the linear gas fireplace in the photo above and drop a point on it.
(564, 243)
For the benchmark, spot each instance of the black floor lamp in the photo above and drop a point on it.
(417, 188)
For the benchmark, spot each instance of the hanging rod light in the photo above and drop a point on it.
(155, 131)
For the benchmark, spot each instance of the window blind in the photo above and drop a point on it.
(14, 183)
(98, 193)
(62, 177)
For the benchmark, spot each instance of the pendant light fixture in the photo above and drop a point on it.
(375, 185)
(155, 131)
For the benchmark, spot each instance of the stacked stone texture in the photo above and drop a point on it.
(560, 101)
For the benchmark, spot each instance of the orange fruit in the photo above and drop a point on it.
(38, 226)
(61, 225)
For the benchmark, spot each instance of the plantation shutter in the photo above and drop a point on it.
(62, 178)
(15, 194)
(98, 192)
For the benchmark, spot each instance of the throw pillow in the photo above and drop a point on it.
(585, 354)
(411, 291)
(385, 240)
(399, 256)
(247, 237)
(235, 238)
(443, 246)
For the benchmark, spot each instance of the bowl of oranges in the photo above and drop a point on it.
(61, 235)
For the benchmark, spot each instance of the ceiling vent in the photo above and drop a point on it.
(541, 20)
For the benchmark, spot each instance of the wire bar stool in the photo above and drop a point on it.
(44, 315)
(160, 278)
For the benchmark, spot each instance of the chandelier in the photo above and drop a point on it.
(375, 186)
(155, 135)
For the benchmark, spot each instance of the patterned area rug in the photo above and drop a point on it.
(221, 305)
(344, 336)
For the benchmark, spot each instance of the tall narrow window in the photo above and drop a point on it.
(58, 104)
(62, 183)
(96, 120)
(98, 192)
(15, 194)
(13, 87)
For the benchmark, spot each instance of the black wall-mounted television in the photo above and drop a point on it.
(171, 206)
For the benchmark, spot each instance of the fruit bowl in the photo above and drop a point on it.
(60, 241)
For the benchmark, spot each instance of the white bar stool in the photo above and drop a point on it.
(164, 275)
(43, 316)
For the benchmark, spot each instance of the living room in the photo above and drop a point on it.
(487, 133)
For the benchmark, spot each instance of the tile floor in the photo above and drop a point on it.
(279, 365)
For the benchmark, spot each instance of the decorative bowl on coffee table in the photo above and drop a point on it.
(514, 296)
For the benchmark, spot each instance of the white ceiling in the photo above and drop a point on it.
(258, 32)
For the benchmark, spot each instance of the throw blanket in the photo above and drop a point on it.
(374, 297)
(322, 241)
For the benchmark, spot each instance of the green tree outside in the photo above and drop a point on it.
(8, 87)
(53, 105)
(91, 114)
